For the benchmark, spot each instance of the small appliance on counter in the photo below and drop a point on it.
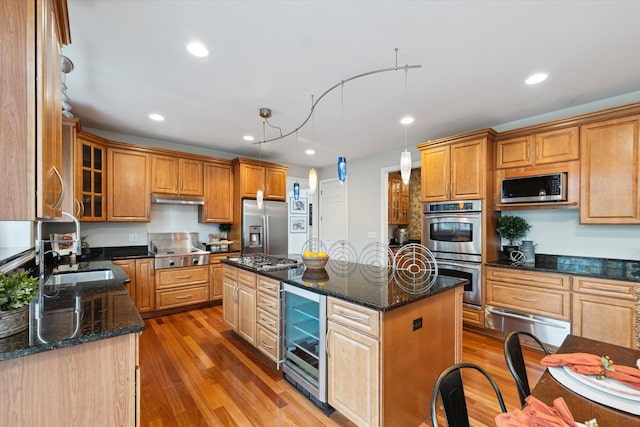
(401, 235)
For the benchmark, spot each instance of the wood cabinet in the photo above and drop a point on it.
(179, 287)
(90, 168)
(128, 189)
(239, 302)
(141, 286)
(398, 200)
(609, 162)
(216, 275)
(268, 334)
(605, 310)
(537, 149)
(250, 175)
(176, 175)
(30, 112)
(456, 168)
(546, 294)
(218, 193)
(75, 386)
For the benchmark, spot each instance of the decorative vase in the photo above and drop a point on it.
(14, 321)
(506, 251)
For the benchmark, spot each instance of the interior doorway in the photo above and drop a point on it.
(333, 211)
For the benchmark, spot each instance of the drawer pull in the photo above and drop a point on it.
(525, 299)
(268, 304)
(183, 296)
(183, 277)
(598, 288)
(357, 318)
(266, 322)
(264, 344)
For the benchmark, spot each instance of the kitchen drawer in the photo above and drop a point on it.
(268, 320)
(268, 286)
(267, 342)
(246, 278)
(604, 287)
(529, 299)
(230, 272)
(529, 278)
(215, 259)
(268, 303)
(172, 277)
(180, 297)
(354, 316)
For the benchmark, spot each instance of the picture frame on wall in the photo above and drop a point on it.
(297, 224)
(298, 206)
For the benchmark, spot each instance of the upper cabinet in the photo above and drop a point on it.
(176, 175)
(398, 200)
(456, 168)
(218, 193)
(31, 105)
(128, 189)
(541, 148)
(250, 175)
(609, 160)
(91, 179)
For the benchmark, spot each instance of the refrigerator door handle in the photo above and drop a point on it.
(265, 231)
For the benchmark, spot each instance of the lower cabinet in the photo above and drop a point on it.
(216, 275)
(178, 287)
(268, 336)
(91, 384)
(605, 310)
(239, 302)
(141, 286)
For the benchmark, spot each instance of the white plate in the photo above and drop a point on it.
(606, 384)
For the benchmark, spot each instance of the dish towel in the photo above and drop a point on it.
(536, 413)
(590, 364)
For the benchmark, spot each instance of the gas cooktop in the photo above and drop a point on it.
(265, 262)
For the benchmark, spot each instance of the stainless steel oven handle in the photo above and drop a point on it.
(453, 215)
(528, 319)
(455, 264)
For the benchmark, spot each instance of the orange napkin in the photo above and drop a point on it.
(590, 364)
(536, 413)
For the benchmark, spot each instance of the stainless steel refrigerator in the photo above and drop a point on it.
(265, 230)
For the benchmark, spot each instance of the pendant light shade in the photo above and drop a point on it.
(342, 169)
(259, 198)
(405, 166)
(313, 180)
(296, 191)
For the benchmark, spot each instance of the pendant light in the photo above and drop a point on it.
(296, 185)
(405, 157)
(260, 193)
(342, 160)
(313, 175)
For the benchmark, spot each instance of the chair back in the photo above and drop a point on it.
(515, 361)
(449, 387)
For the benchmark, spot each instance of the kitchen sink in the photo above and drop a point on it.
(83, 276)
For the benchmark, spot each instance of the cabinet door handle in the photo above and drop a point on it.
(79, 209)
(525, 299)
(183, 277)
(326, 342)
(61, 197)
(183, 296)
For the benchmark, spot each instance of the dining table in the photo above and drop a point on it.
(583, 409)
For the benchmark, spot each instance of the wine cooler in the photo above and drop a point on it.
(305, 343)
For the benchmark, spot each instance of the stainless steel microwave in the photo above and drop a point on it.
(538, 188)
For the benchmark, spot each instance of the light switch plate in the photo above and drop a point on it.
(371, 234)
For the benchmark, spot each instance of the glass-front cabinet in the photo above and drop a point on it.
(90, 177)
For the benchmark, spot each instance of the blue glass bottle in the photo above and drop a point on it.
(342, 169)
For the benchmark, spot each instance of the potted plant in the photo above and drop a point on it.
(224, 228)
(512, 228)
(16, 292)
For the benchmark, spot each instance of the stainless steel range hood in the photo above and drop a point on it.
(176, 199)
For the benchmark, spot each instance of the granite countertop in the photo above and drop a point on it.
(615, 269)
(67, 315)
(379, 288)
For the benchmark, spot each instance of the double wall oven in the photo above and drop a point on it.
(453, 232)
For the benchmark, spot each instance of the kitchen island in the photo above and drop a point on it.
(77, 363)
(387, 338)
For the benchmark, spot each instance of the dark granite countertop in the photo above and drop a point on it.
(67, 315)
(363, 284)
(615, 269)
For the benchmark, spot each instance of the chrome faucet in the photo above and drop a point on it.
(40, 253)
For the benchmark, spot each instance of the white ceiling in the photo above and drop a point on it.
(130, 60)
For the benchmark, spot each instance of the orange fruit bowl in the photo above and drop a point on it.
(316, 262)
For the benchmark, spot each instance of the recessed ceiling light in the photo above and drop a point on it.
(248, 138)
(310, 151)
(536, 78)
(157, 117)
(197, 49)
(407, 120)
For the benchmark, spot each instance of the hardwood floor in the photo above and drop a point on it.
(195, 372)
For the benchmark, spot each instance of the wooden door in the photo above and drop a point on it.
(467, 170)
(435, 174)
(218, 194)
(513, 152)
(276, 184)
(557, 146)
(229, 304)
(252, 177)
(129, 186)
(129, 267)
(246, 297)
(604, 319)
(90, 177)
(216, 280)
(164, 174)
(353, 374)
(190, 173)
(145, 285)
(609, 156)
